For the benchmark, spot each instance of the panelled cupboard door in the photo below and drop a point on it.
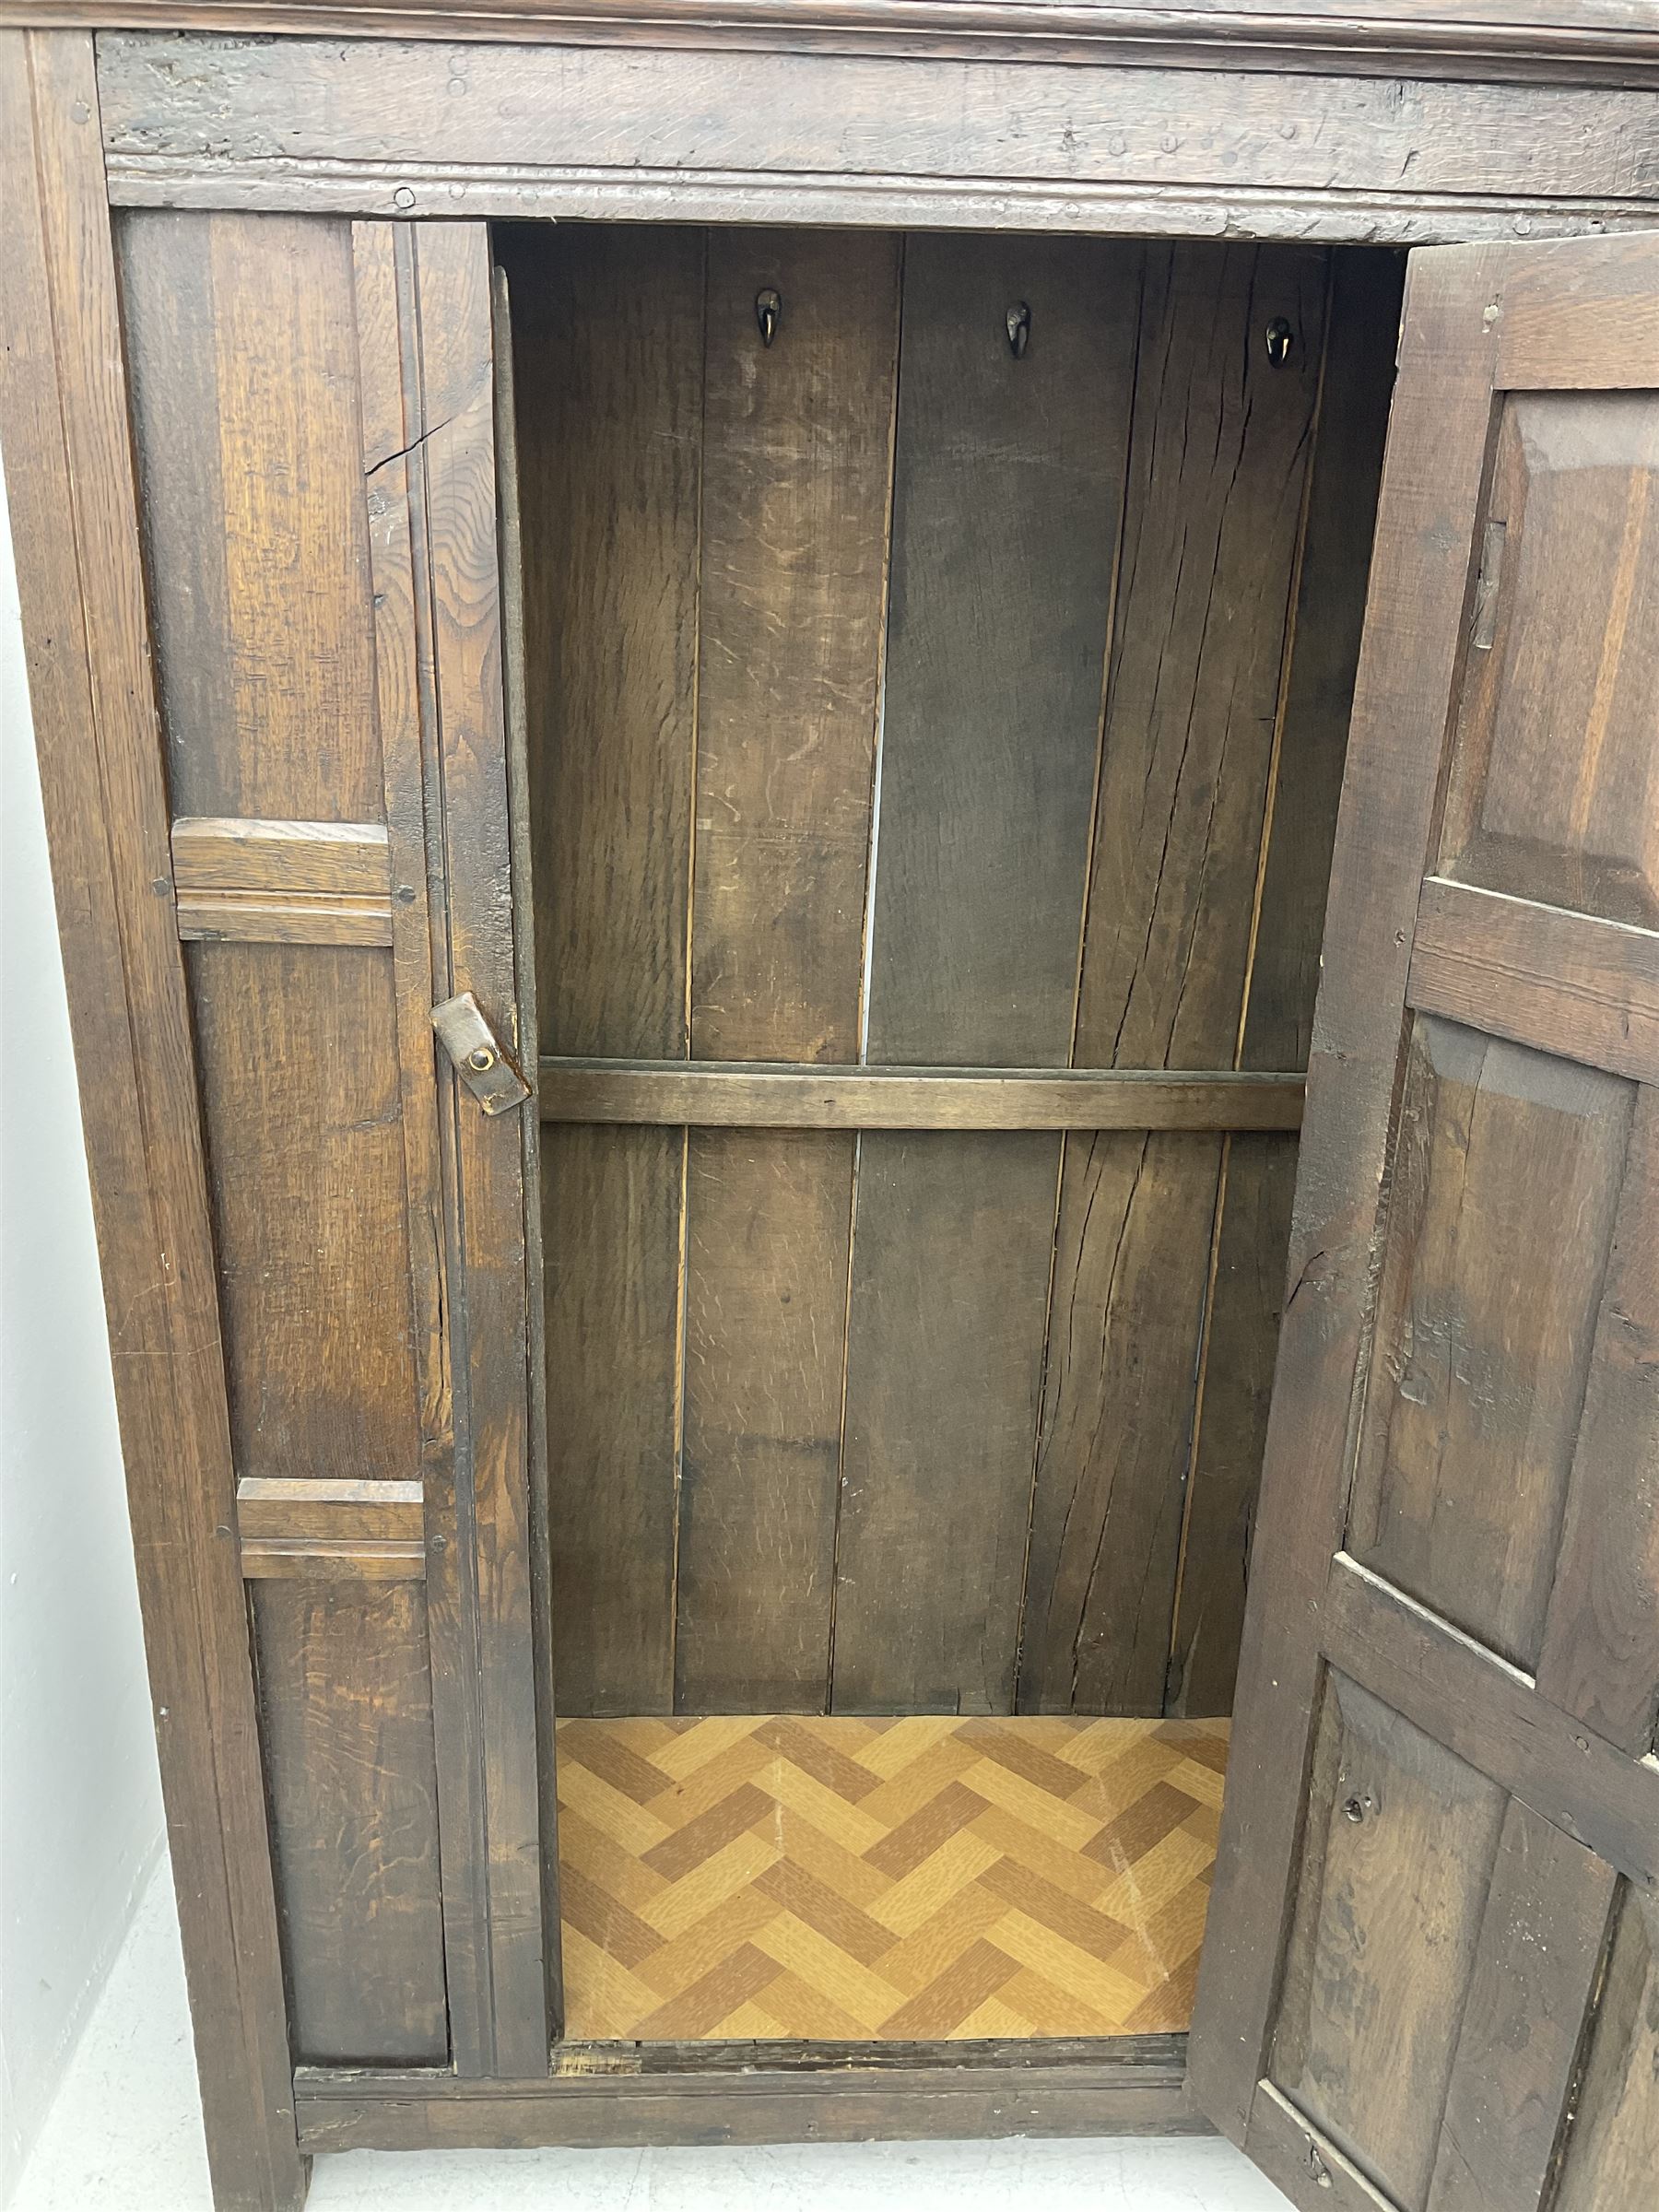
(1431, 1981)
(313, 407)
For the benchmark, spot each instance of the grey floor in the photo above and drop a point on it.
(125, 2135)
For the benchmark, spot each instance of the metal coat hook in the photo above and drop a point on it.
(1019, 321)
(1279, 339)
(769, 312)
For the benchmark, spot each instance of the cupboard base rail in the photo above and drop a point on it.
(625, 2094)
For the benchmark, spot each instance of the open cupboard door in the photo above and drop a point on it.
(1431, 1981)
(313, 406)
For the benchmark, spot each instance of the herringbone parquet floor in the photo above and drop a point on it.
(844, 1879)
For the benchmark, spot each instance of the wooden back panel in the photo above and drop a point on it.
(313, 410)
(1431, 1974)
(896, 701)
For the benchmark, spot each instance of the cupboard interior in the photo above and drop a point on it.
(959, 681)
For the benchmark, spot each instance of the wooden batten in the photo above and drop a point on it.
(282, 883)
(1562, 982)
(737, 1095)
(335, 1530)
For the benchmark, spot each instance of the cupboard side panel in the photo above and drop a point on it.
(244, 336)
(70, 475)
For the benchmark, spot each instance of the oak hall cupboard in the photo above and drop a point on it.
(856, 820)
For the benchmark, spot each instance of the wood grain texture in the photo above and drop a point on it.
(1432, 486)
(242, 853)
(1558, 981)
(1536, 1964)
(827, 137)
(1557, 38)
(608, 357)
(1402, 1836)
(244, 374)
(371, 1247)
(515, 686)
(300, 1088)
(797, 463)
(1247, 1294)
(284, 918)
(1217, 460)
(773, 2092)
(737, 1095)
(486, 1230)
(767, 1221)
(782, 518)
(1420, 1665)
(795, 486)
(338, 1529)
(66, 426)
(1005, 508)
(1615, 2136)
(1554, 794)
(1599, 1651)
(1291, 2151)
(346, 1701)
(835, 1879)
(1507, 1169)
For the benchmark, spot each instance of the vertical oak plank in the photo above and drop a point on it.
(608, 356)
(1219, 458)
(1259, 1175)
(509, 525)
(489, 1279)
(64, 410)
(1009, 476)
(795, 489)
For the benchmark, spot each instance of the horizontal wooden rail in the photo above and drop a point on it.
(282, 882)
(316, 1528)
(755, 2092)
(711, 1094)
(1492, 1715)
(1562, 982)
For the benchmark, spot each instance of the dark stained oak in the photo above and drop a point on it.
(1443, 1812)
(69, 465)
(735, 1095)
(1007, 488)
(850, 139)
(823, 855)
(1218, 450)
(797, 474)
(1247, 1289)
(608, 339)
(1495, 37)
(601, 2094)
(324, 582)
(888, 715)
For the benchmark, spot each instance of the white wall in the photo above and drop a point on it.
(80, 1803)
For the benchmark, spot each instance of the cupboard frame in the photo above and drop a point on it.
(177, 134)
